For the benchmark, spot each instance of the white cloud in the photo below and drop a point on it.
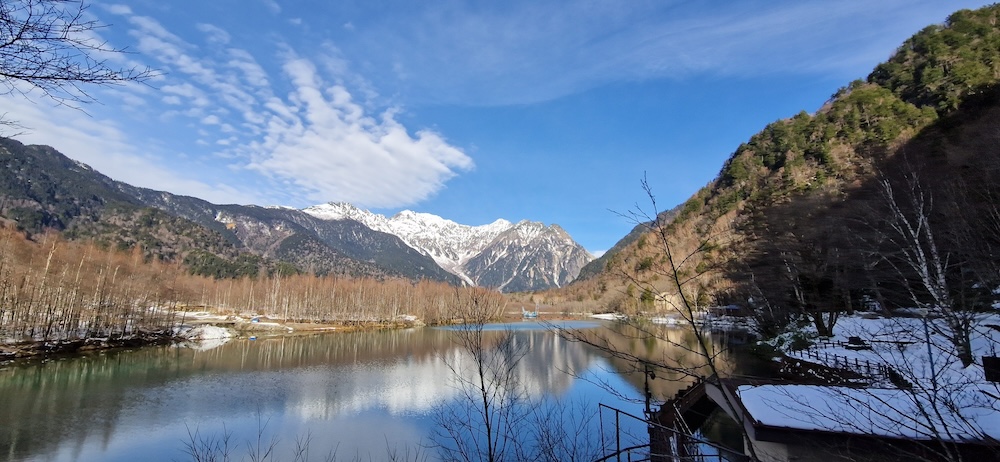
(328, 147)
(523, 51)
(314, 142)
(170, 51)
(119, 9)
(245, 63)
(187, 91)
(214, 34)
(272, 5)
(151, 28)
(183, 89)
(103, 145)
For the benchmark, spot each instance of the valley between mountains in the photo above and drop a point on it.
(47, 190)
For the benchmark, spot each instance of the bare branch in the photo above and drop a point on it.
(53, 46)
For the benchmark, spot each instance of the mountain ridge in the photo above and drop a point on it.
(44, 189)
(794, 214)
(463, 249)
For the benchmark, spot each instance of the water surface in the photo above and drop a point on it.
(358, 394)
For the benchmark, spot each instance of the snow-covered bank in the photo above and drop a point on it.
(609, 316)
(205, 336)
(713, 322)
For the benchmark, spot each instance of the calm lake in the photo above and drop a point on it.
(359, 395)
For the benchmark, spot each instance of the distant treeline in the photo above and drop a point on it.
(53, 289)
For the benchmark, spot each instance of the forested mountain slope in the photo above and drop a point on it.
(41, 189)
(807, 215)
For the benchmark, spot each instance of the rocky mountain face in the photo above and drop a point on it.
(511, 257)
(313, 245)
(529, 256)
(41, 189)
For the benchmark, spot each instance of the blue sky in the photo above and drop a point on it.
(540, 110)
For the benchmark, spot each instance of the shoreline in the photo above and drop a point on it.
(59, 348)
(44, 349)
(238, 326)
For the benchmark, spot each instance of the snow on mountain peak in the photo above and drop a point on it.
(450, 244)
(346, 211)
(332, 211)
(411, 218)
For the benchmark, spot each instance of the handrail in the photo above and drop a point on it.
(676, 437)
(859, 366)
(619, 452)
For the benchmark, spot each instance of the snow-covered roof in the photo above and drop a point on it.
(892, 413)
(947, 400)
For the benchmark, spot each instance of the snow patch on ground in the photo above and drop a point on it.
(205, 337)
(609, 316)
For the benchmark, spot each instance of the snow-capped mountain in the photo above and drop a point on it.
(523, 256)
(529, 256)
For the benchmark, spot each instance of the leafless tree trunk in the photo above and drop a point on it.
(918, 252)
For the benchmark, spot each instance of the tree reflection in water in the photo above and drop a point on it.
(358, 390)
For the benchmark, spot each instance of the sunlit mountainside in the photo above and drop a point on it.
(801, 213)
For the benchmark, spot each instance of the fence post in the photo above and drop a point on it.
(618, 435)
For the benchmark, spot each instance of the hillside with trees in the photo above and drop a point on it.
(43, 190)
(884, 197)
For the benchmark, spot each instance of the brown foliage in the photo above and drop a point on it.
(51, 289)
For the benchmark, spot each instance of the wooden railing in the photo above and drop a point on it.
(862, 367)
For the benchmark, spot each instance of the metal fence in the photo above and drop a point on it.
(661, 443)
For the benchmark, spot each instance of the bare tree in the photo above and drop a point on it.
(53, 46)
(673, 282)
(921, 263)
(562, 431)
(484, 423)
(493, 417)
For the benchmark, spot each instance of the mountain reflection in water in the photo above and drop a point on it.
(353, 393)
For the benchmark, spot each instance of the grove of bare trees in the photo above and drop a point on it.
(52, 289)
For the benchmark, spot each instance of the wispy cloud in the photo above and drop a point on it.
(524, 51)
(103, 145)
(214, 33)
(272, 5)
(326, 144)
(299, 129)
